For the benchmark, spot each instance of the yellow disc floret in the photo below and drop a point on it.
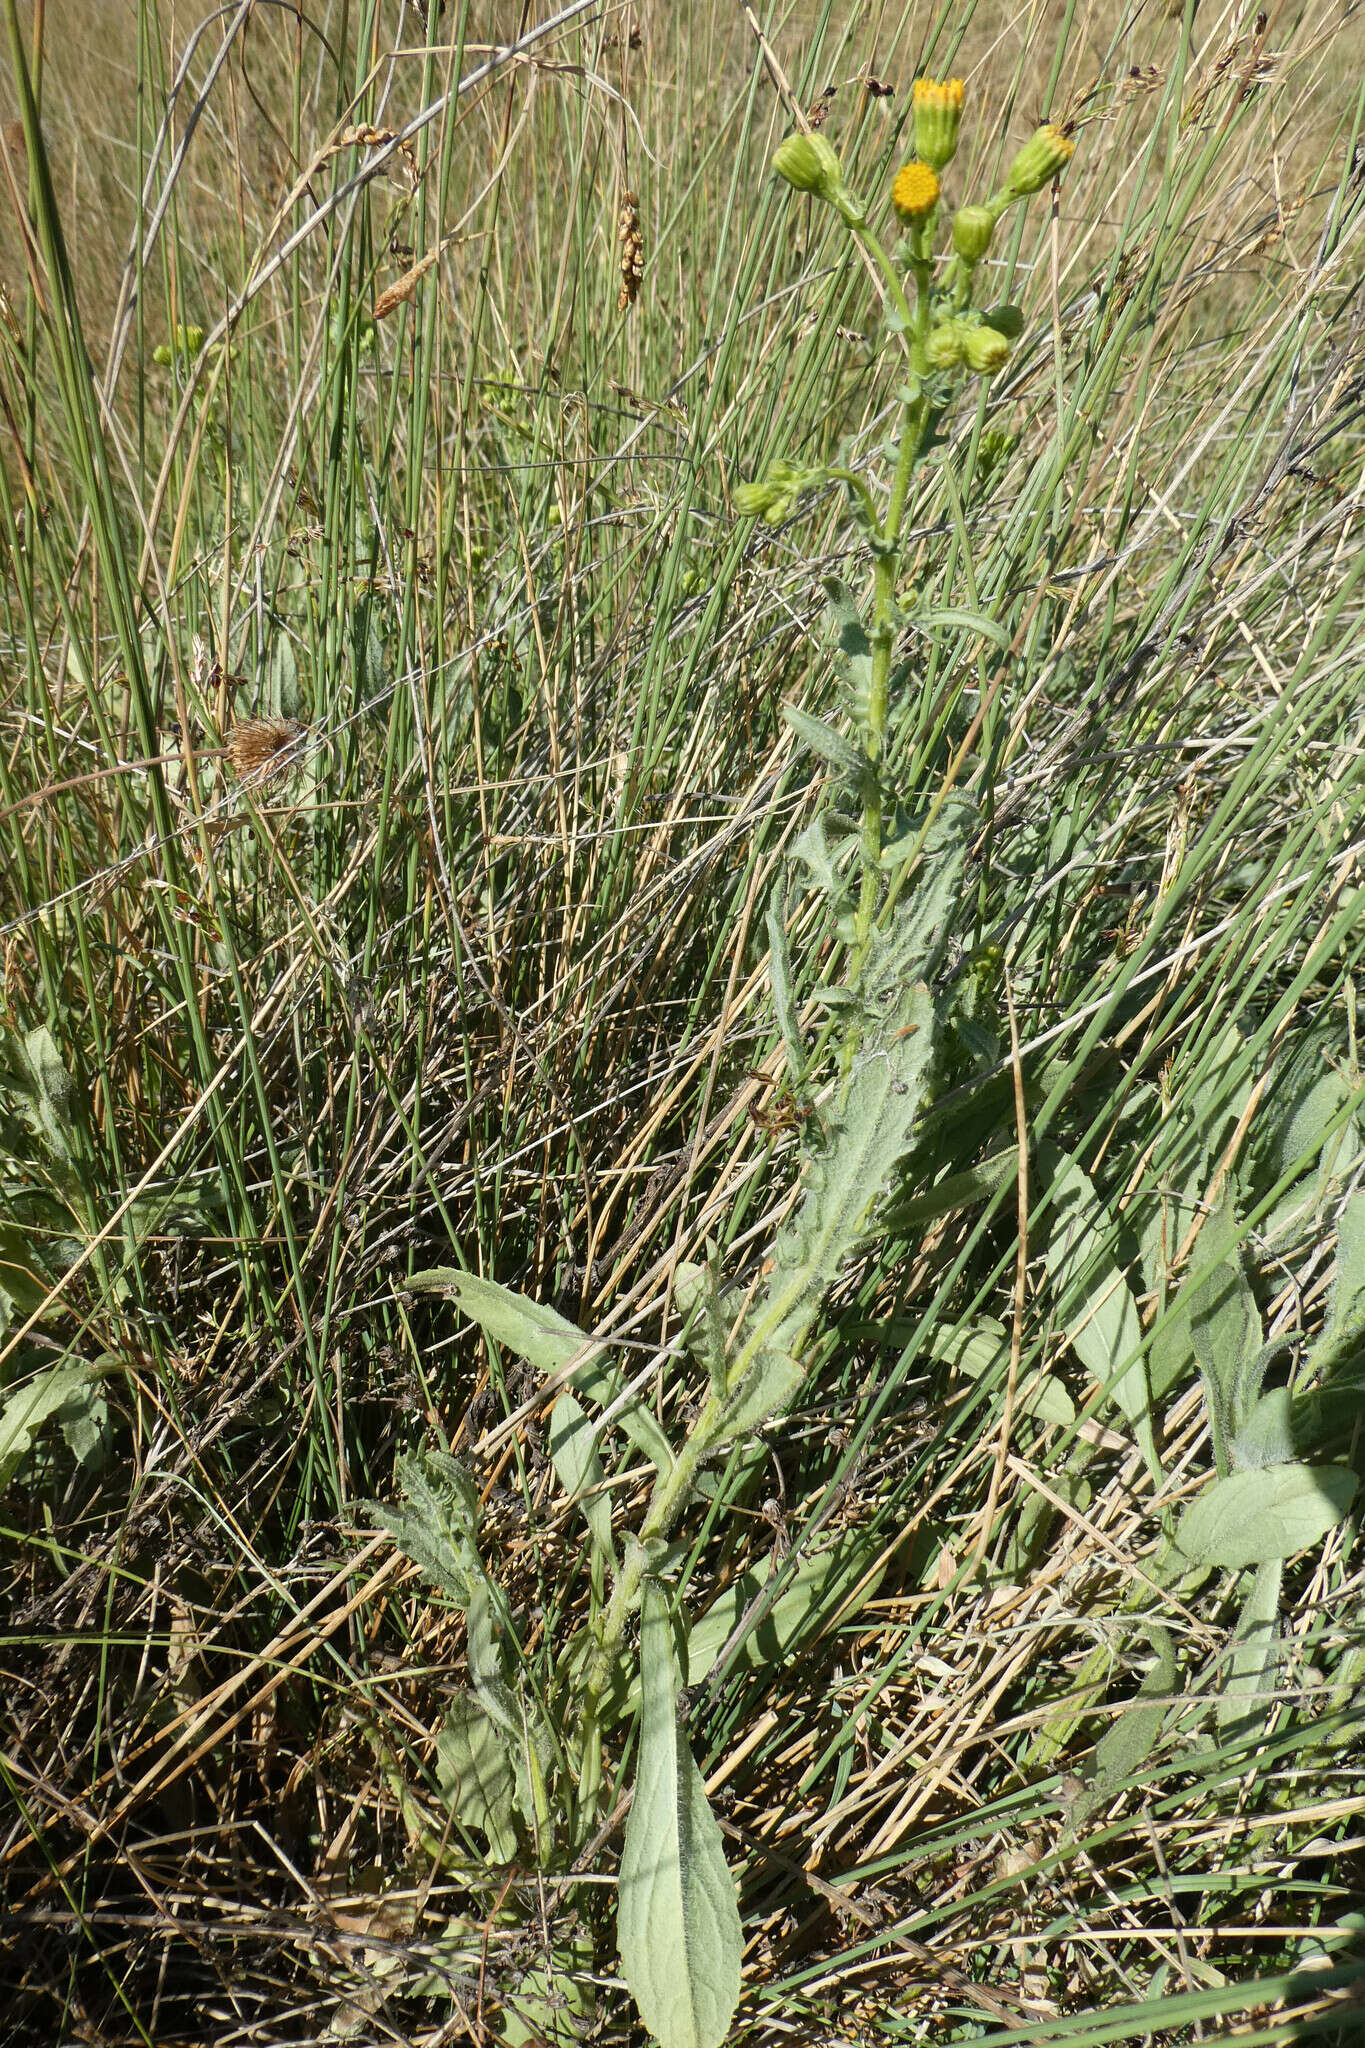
(915, 192)
(938, 115)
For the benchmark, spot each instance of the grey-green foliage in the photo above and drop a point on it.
(68, 1393)
(1096, 1305)
(496, 1747)
(863, 1139)
(677, 1922)
(551, 1344)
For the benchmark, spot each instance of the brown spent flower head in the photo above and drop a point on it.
(915, 191)
(938, 116)
(632, 251)
(263, 750)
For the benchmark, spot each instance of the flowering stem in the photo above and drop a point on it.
(884, 576)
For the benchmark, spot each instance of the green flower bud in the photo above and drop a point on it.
(938, 116)
(1046, 152)
(1007, 320)
(985, 351)
(808, 163)
(944, 346)
(973, 227)
(774, 496)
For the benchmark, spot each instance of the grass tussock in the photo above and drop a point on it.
(395, 797)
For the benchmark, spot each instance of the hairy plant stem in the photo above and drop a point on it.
(672, 1491)
(914, 420)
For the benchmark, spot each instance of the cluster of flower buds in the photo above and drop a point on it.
(959, 335)
(774, 497)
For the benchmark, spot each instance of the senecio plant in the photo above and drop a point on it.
(535, 1768)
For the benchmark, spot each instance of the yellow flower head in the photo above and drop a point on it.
(938, 115)
(915, 192)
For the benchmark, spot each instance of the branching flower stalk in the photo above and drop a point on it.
(946, 333)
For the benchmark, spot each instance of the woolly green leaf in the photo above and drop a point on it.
(49, 1093)
(677, 1921)
(827, 1588)
(549, 1342)
(1128, 1741)
(823, 740)
(475, 1774)
(22, 1289)
(864, 1140)
(435, 1522)
(55, 1390)
(573, 1453)
(542, 2011)
(1225, 1326)
(1348, 1292)
(845, 1179)
(1267, 1435)
(1245, 1700)
(965, 1190)
(1095, 1303)
(955, 619)
(780, 977)
(1251, 1518)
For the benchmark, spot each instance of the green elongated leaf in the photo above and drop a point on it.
(1129, 1741)
(1245, 1700)
(818, 1592)
(983, 1346)
(474, 1770)
(547, 2004)
(965, 1190)
(1225, 1326)
(573, 1453)
(1095, 1304)
(844, 1182)
(812, 849)
(549, 1342)
(780, 977)
(677, 1920)
(435, 1522)
(540, 1335)
(1267, 1435)
(55, 1390)
(51, 1091)
(957, 620)
(1348, 1292)
(1252, 1518)
(852, 648)
(823, 740)
(864, 1141)
(22, 1287)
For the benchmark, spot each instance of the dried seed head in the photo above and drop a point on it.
(262, 750)
(632, 247)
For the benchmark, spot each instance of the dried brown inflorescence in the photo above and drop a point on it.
(262, 750)
(632, 251)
